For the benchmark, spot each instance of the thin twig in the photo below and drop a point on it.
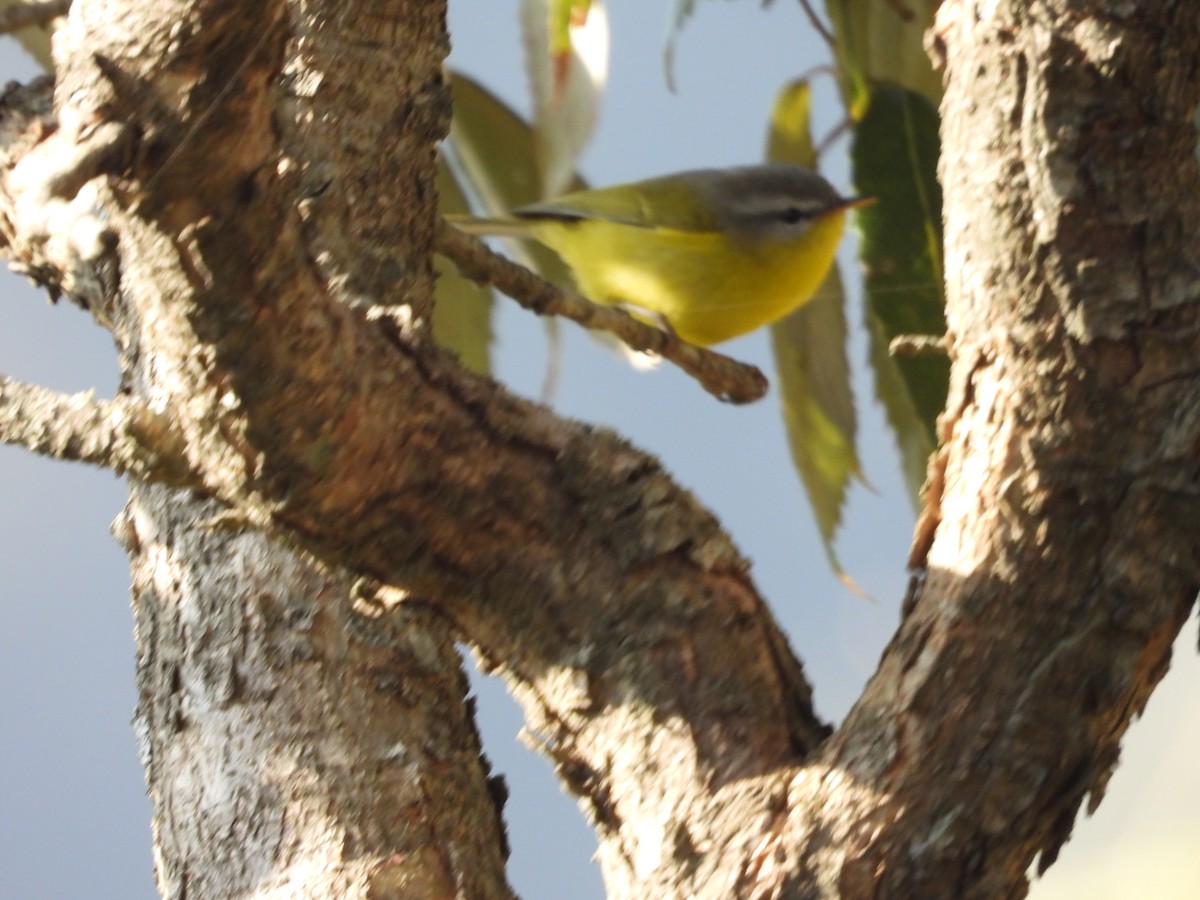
(918, 345)
(817, 23)
(36, 12)
(121, 434)
(834, 133)
(721, 376)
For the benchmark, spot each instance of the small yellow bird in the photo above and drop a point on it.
(714, 252)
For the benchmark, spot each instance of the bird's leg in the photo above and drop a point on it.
(652, 317)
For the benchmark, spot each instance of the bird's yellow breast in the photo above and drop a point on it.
(709, 286)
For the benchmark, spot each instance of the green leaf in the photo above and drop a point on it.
(561, 15)
(894, 158)
(1197, 120)
(566, 59)
(492, 146)
(493, 151)
(813, 375)
(462, 314)
(913, 438)
(882, 41)
(790, 140)
(813, 370)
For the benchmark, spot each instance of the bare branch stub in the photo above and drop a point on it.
(122, 434)
(918, 345)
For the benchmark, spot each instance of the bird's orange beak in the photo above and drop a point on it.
(855, 202)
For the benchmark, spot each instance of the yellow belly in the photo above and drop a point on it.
(708, 289)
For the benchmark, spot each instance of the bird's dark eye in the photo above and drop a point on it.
(792, 215)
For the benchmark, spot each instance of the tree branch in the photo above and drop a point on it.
(918, 345)
(1065, 558)
(348, 761)
(120, 434)
(622, 615)
(721, 376)
(23, 15)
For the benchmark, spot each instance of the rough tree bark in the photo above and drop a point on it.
(322, 500)
(1059, 554)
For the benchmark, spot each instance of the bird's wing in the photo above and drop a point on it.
(658, 203)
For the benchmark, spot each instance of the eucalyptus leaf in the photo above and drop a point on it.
(561, 15)
(462, 314)
(566, 60)
(882, 41)
(894, 158)
(493, 152)
(813, 375)
(812, 366)
(790, 138)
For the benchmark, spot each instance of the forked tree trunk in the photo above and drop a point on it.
(265, 170)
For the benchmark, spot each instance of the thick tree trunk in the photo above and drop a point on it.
(265, 171)
(301, 735)
(1059, 554)
(299, 740)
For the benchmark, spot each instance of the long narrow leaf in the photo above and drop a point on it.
(462, 315)
(566, 59)
(894, 158)
(493, 150)
(813, 370)
(880, 41)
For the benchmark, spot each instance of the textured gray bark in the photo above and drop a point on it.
(305, 730)
(302, 737)
(1059, 551)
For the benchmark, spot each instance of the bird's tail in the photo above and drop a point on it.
(501, 226)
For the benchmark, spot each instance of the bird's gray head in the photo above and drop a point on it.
(766, 202)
